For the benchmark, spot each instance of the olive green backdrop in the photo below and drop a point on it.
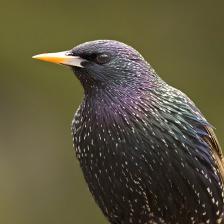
(40, 179)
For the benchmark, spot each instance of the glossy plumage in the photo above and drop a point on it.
(147, 153)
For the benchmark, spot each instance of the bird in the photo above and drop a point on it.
(147, 153)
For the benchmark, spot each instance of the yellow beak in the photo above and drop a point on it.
(60, 58)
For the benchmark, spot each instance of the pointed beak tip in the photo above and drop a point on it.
(38, 56)
(49, 57)
(35, 57)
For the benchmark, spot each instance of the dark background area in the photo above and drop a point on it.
(40, 179)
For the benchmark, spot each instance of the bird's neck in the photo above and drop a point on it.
(114, 103)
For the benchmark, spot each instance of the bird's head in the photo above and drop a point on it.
(103, 62)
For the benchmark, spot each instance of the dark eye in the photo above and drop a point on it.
(102, 58)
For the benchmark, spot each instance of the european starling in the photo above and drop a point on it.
(147, 153)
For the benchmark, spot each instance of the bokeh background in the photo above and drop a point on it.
(40, 179)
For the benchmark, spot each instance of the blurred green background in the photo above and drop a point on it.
(41, 181)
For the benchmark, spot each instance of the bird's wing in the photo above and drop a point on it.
(212, 140)
(210, 137)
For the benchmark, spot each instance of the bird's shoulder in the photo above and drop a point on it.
(179, 108)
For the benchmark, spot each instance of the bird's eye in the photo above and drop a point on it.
(102, 58)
